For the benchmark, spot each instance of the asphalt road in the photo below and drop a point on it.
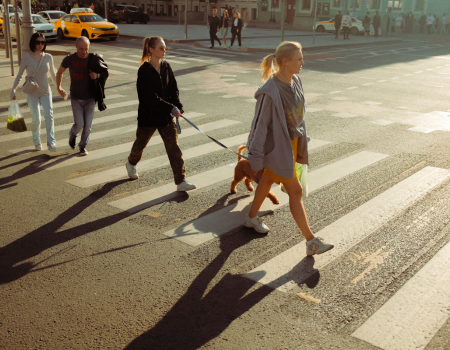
(92, 260)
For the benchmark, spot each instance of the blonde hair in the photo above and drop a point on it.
(272, 63)
(149, 43)
(225, 12)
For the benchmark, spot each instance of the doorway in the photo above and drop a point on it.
(290, 11)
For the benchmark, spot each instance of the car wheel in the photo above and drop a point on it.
(354, 31)
(113, 38)
(60, 33)
(85, 33)
(321, 29)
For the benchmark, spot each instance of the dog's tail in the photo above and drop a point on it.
(240, 149)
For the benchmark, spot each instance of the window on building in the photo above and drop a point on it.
(395, 4)
(353, 4)
(264, 5)
(306, 5)
(376, 4)
(420, 5)
(337, 3)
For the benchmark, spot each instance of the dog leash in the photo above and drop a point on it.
(212, 138)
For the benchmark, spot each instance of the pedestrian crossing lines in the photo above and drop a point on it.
(289, 268)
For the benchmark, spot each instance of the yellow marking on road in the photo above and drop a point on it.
(374, 260)
(308, 298)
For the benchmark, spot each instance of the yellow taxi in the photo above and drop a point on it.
(85, 23)
(1, 25)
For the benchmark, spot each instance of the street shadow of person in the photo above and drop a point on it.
(197, 318)
(13, 264)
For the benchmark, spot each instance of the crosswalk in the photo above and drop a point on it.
(395, 325)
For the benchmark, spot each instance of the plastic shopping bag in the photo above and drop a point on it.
(15, 118)
(302, 172)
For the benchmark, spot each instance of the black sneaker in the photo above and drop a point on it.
(211, 47)
(83, 151)
(72, 142)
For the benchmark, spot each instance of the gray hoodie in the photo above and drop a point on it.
(269, 145)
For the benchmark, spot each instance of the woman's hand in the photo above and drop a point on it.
(93, 75)
(179, 115)
(14, 98)
(62, 93)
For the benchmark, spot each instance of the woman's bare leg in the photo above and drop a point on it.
(224, 40)
(262, 190)
(295, 192)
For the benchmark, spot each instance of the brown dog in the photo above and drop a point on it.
(243, 169)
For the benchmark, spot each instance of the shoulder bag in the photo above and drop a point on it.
(31, 84)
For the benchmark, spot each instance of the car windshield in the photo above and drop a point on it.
(56, 15)
(90, 18)
(38, 20)
(132, 8)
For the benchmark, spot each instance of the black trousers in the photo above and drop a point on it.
(213, 36)
(233, 36)
(346, 31)
(336, 31)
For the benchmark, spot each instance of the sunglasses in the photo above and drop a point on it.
(40, 42)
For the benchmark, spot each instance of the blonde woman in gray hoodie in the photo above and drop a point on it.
(279, 115)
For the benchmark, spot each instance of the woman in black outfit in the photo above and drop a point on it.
(158, 105)
(236, 28)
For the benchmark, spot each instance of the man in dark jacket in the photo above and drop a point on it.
(337, 23)
(214, 26)
(376, 23)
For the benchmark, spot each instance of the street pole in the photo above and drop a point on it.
(207, 11)
(282, 20)
(5, 28)
(27, 27)
(390, 21)
(106, 12)
(179, 14)
(315, 20)
(18, 38)
(185, 19)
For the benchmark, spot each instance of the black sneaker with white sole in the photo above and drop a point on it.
(72, 142)
(83, 151)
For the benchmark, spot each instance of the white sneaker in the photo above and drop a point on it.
(317, 246)
(38, 147)
(132, 171)
(184, 186)
(256, 223)
(51, 148)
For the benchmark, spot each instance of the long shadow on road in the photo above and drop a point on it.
(198, 318)
(13, 264)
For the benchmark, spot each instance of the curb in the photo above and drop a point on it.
(51, 52)
(313, 48)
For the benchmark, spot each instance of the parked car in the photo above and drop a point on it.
(40, 26)
(328, 26)
(127, 13)
(86, 24)
(51, 16)
(11, 10)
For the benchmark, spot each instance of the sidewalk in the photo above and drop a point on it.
(253, 39)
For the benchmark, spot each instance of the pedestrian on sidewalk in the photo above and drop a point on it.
(399, 23)
(422, 22)
(278, 139)
(84, 82)
(447, 23)
(214, 27)
(142, 15)
(245, 18)
(376, 24)
(236, 28)
(337, 24)
(159, 103)
(92, 7)
(346, 24)
(443, 23)
(366, 24)
(430, 23)
(38, 64)
(224, 28)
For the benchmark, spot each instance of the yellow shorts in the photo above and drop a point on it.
(278, 179)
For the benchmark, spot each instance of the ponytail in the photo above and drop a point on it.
(149, 43)
(267, 67)
(272, 63)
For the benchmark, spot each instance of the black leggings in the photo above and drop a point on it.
(346, 31)
(213, 36)
(234, 36)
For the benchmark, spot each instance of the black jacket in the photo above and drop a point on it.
(239, 26)
(97, 64)
(337, 21)
(214, 23)
(376, 20)
(157, 94)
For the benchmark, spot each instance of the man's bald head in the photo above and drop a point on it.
(82, 44)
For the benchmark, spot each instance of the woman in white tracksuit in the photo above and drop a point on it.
(43, 95)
